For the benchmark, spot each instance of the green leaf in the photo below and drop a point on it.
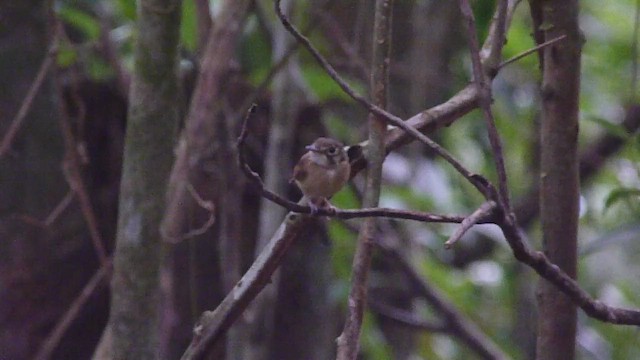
(620, 194)
(127, 8)
(67, 56)
(189, 26)
(82, 21)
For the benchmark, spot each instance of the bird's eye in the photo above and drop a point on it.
(332, 151)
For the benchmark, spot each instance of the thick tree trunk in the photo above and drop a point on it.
(151, 129)
(559, 182)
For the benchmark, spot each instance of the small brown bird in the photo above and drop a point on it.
(322, 172)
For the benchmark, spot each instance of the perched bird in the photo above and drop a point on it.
(321, 172)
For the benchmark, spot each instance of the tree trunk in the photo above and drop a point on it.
(559, 182)
(151, 128)
(349, 339)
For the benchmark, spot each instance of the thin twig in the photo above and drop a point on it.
(539, 262)
(484, 92)
(457, 323)
(530, 51)
(54, 337)
(481, 213)
(205, 204)
(72, 167)
(348, 343)
(61, 207)
(18, 120)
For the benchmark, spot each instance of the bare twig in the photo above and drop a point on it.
(348, 343)
(484, 90)
(72, 167)
(570, 287)
(57, 211)
(530, 51)
(54, 337)
(53, 214)
(17, 121)
(205, 204)
(482, 213)
(213, 324)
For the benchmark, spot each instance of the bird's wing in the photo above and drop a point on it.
(299, 173)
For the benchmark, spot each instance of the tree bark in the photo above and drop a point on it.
(349, 340)
(559, 181)
(151, 129)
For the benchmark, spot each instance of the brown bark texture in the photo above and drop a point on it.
(559, 178)
(152, 122)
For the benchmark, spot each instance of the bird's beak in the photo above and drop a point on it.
(312, 148)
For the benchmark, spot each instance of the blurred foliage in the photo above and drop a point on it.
(610, 200)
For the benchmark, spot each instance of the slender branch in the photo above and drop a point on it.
(17, 121)
(532, 50)
(54, 337)
(484, 90)
(213, 324)
(72, 162)
(570, 287)
(481, 213)
(59, 209)
(205, 204)
(348, 343)
(457, 324)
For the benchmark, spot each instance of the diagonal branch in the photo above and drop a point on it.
(457, 324)
(539, 262)
(484, 89)
(54, 337)
(49, 59)
(349, 340)
(532, 50)
(481, 213)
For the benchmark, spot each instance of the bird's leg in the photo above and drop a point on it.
(314, 207)
(326, 205)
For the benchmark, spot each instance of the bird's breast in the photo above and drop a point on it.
(324, 181)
